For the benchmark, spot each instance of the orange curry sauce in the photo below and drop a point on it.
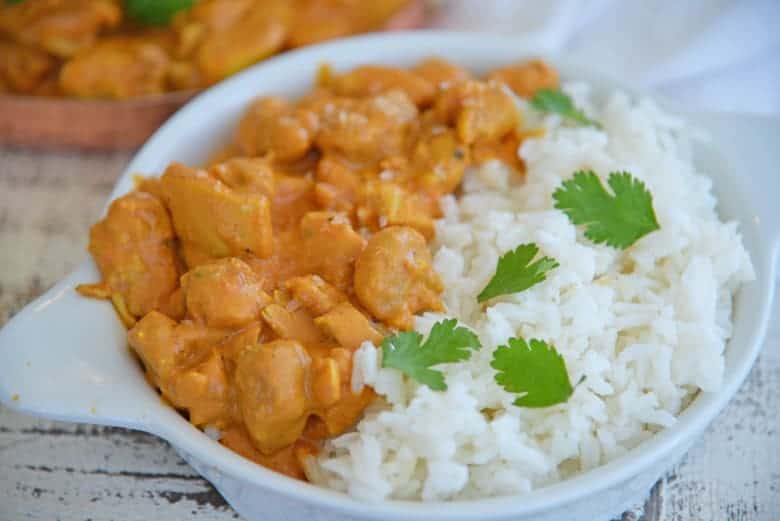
(247, 285)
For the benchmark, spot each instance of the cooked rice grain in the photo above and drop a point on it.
(646, 326)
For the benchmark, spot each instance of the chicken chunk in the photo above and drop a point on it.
(117, 68)
(394, 278)
(202, 391)
(133, 247)
(249, 175)
(234, 344)
(166, 347)
(181, 361)
(479, 111)
(272, 382)
(23, 68)
(366, 130)
(212, 218)
(280, 385)
(225, 294)
(370, 80)
(345, 413)
(526, 78)
(292, 324)
(155, 341)
(315, 294)
(348, 326)
(388, 204)
(441, 73)
(316, 21)
(59, 27)
(257, 34)
(293, 198)
(330, 246)
(342, 415)
(439, 161)
(338, 184)
(272, 124)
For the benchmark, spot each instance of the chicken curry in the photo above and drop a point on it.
(247, 285)
(96, 49)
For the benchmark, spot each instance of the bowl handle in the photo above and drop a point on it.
(59, 359)
(752, 145)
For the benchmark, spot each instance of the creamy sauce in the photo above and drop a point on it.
(248, 285)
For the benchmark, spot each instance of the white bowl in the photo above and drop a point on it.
(65, 357)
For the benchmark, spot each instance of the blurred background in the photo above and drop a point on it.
(150, 56)
(84, 82)
(711, 54)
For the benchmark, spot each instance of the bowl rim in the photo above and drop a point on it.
(690, 422)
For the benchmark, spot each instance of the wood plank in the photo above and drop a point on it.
(36, 494)
(47, 203)
(733, 472)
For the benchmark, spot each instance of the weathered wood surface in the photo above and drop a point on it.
(52, 470)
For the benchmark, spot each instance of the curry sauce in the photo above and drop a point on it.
(248, 284)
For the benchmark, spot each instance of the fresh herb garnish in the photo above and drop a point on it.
(446, 342)
(558, 102)
(514, 273)
(617, 220)
(12, 2)
(534, 369)
(156, 12)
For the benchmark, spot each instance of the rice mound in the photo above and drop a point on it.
(646, 326)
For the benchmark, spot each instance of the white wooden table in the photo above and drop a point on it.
(57, 471)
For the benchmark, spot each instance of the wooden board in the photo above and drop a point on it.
(51, 123)
(87, 124)
(59, 471)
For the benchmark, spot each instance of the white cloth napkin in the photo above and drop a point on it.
(712, 54)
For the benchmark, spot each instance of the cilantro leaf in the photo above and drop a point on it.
(12, 2)
(156, 12)
(535, 369)
(558, 102)
(616, 220)
(514, 273)
(446, 342)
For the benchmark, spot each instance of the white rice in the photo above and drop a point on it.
(647, 326)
